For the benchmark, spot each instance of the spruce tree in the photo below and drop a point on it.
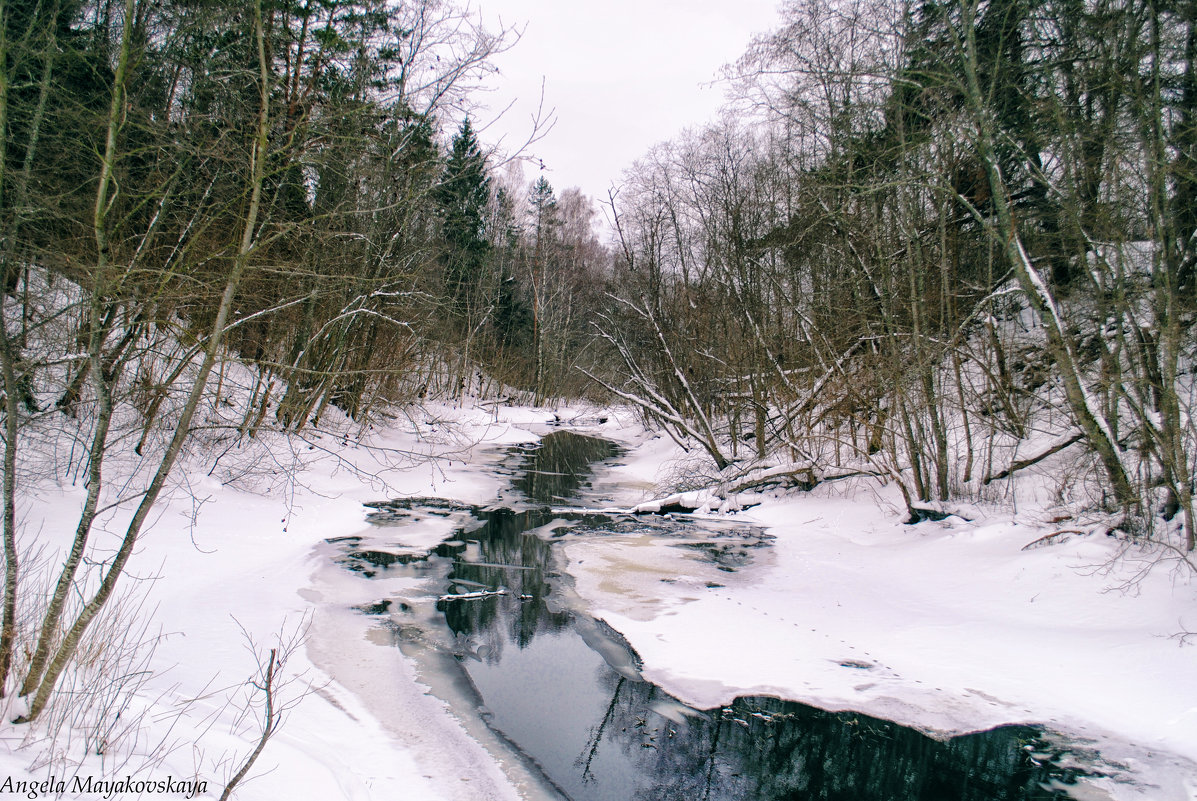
(463, 196)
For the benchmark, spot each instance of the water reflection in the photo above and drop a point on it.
(762, 748)
(599, 735)
(553, 471)
(508, 560)
(558, 687)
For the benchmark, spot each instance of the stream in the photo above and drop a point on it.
(565, 691)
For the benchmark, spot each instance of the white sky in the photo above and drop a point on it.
(622, 75)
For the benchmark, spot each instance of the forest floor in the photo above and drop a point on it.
(948, 626)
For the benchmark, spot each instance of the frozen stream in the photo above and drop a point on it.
(490, 609)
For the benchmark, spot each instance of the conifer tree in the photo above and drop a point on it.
(542, 208)
(464, 195)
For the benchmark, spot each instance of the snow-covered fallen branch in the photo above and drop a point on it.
(477, 596)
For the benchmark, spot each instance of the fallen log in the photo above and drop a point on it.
(804, 478)
(1056, 537)
(919, 514)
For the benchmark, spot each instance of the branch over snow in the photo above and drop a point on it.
(1039, 457)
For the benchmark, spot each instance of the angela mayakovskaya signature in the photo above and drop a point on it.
(105, 788)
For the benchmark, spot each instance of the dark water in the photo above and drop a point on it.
(554, 472)
(566, 692)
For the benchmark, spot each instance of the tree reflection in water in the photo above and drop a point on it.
(553, 471)
(603, 734)
(599, 735)
(521, 614)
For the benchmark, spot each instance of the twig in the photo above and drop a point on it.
(1047, 539)
(270, 723)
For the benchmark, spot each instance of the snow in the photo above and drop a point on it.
(235, 555)
(947, 626)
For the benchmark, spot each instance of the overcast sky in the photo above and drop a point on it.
(621, 75)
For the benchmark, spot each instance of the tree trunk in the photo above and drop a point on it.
(1084, 409)
(70, 643)
(8, 626)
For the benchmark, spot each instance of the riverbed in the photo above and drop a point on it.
(481, 598)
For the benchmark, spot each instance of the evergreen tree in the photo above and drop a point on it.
(463, 195)
(542, 207)
(512, 318)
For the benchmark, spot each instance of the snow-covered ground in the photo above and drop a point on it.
(235, 556)
(946, 626)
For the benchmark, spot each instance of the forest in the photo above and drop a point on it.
(933, 243)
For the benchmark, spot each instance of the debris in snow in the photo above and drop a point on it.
(473, 596)
(1055, 538)
(937, 512)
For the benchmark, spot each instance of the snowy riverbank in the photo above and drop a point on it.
(232, 555)
(948, 626)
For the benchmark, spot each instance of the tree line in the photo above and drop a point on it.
(219, 216)
(934, 241)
